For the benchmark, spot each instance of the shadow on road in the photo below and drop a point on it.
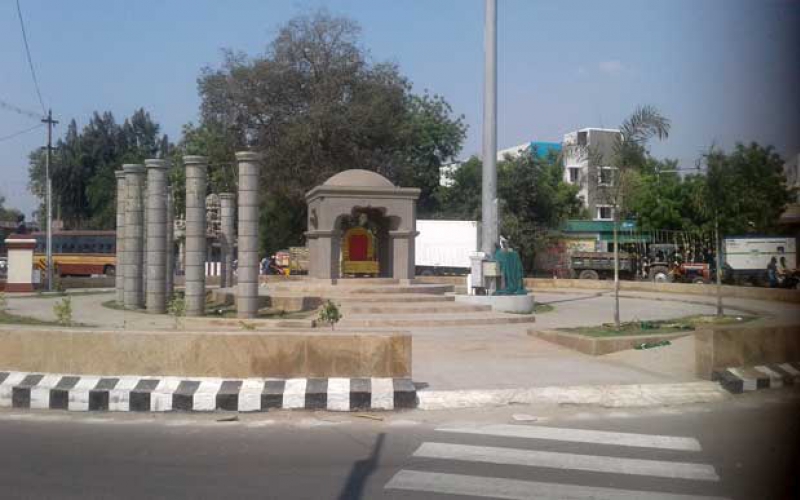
(362, 469)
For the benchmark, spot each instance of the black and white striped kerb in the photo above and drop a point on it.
(143, 394)
(751, 378)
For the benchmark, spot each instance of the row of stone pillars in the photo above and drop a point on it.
(145, 273)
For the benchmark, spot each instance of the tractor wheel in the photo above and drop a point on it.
(660, 274)
(588, 274)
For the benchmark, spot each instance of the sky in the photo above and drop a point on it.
(723, 71)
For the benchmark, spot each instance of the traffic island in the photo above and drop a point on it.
(606, 339)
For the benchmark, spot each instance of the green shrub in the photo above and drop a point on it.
(177, 308)
(63, 311)
(330, 313)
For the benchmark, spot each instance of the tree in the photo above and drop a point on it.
(84, 162)
(8, 214)
(534, 199)
(315, 105)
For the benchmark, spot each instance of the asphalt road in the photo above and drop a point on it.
(745, 448)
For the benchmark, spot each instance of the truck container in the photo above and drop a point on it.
(747, 257)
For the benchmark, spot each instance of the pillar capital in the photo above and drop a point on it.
(119, 174)
(156, 163)
(195, 160)
(249, 156)
(133, 168)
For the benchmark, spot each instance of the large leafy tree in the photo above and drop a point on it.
(534, 199)
(315, 104)
(83, 164)
(8, 214)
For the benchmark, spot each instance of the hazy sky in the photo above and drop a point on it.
(722, 70)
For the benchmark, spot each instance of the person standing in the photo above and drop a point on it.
(772, 272)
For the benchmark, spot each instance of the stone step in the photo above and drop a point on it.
(413, 308)
(335, 291)
(406, 298)
(434, 320)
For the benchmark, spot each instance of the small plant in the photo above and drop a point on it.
(58, 285)
(247, 326)
(330, 313)
(3, 302)
(63, 311)
(177, 309)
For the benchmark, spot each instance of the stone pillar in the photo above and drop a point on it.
(196, 182)
(134, 236)
(169, 250)
(156, 236)
(403, 254)
(120, 243)
(145, 203)
(247, 292)
(227, 209)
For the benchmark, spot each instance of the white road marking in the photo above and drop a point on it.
(791, 369)
(748, 383)
(7, 387)
(382, 394)
(294, 393)
(339, 394)
(551, 460)
(512, 489)
(78, 399)
(579, 436)
(119, 398)
(161, 397)
(205, 397)
(40, 395)
(250, 395)
(775, 378)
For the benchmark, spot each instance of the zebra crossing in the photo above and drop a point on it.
(542, 451)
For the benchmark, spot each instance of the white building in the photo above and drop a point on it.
(588, 163)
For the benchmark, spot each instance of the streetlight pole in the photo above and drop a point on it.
(489, 230)
(49, 198)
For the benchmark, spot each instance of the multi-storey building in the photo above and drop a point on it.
(588, 163)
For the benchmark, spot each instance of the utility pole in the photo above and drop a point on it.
(489, 212)
(49, 198)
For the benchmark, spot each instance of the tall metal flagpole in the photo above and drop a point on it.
(49, 195)
(489, 230)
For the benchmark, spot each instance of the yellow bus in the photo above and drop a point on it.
(78, 253)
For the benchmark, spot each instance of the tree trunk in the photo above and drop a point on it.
(718, 266)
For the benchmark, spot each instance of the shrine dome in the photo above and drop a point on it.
(359, 178)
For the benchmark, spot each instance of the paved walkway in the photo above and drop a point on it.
(503, 356)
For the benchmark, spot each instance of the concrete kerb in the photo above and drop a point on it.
(26, 390)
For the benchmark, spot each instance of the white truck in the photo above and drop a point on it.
(746, 258)
(444, 246)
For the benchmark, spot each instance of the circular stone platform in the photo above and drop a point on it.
(516, 304)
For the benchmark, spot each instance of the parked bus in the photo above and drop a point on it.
(78, 253)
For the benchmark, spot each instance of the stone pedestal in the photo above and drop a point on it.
(227, 202)
(247, 272)
(196, 184)
(134, 236)
(120, 243)
(20, 263)
(156, 236)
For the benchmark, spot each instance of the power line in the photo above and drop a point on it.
(30, 61)
(15, 134)
(16, 109)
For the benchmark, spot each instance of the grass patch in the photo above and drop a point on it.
(540, 308)
(688, 324)
(112, 304)
(13, 319)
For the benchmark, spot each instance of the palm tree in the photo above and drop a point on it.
(630, 154)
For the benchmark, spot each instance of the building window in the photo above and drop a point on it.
(606, 176)
(573, 175)
(604, 212)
